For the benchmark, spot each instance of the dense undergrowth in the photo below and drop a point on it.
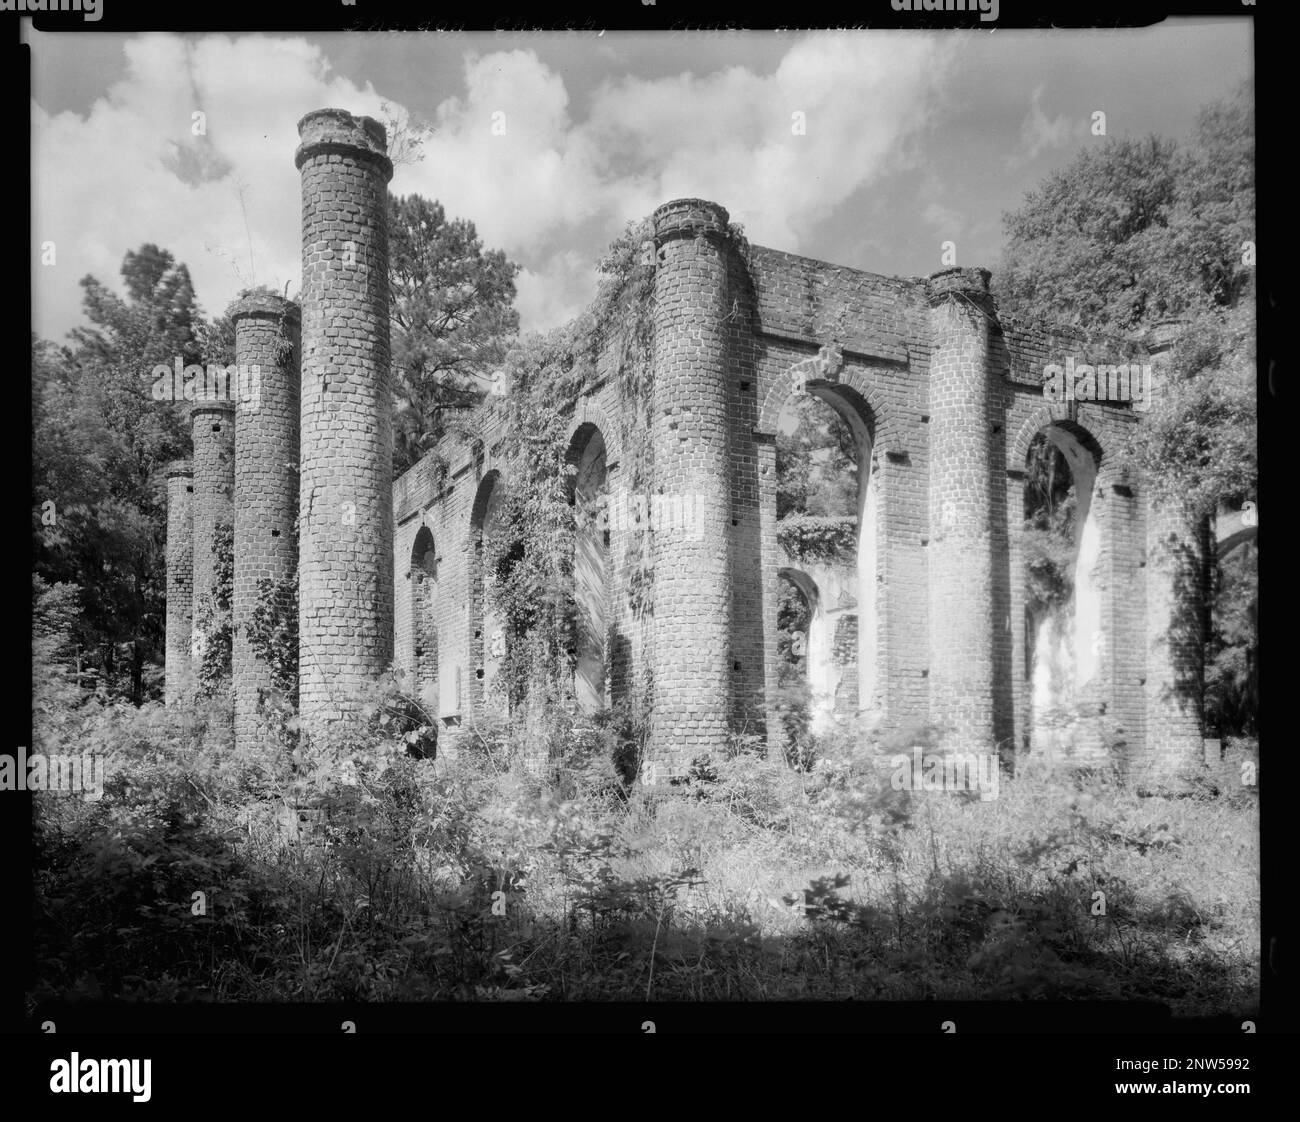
(478, 878)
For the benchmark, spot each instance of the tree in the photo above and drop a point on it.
(816, 462)
(99, 438)
(1132, 233)
(452, 315)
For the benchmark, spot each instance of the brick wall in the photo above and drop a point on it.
(948, 641)
(179, 674)
(694, 661)
(944, 399)
(212, 428)
(266, 482)
(346, 515)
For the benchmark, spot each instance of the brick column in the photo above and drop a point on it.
(180, 580)
(962, 664)
(1177, 594)
(345, 498)
(692, 594)
(213, 428)
(266, 481)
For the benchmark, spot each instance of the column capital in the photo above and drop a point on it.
(336, 131)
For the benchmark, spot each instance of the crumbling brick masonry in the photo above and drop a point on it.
(944, 398)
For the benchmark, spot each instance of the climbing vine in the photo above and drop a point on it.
(808, 537)
(528, 558)
(212, 615)
(272, 631)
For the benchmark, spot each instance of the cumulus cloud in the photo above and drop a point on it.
(552, 294)
(219, 191)
(780, 150)
(1040, 133)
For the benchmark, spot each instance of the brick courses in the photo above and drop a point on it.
(345, 568)
(944, 395)
(267, 332)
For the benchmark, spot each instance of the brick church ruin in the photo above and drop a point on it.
(926, 623)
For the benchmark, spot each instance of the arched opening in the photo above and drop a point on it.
(590, 567)
(826, 531)
(424, 631)
(1065, 641)
(1232, 652)
(488, 626)
(809, 673)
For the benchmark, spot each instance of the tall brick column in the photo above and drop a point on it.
(1177, 591)
(180, 580)
(692, 593)
(213, 427)
(961, 575)
(266, 482)
(345, 497)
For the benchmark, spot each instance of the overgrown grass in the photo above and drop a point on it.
(479, 879)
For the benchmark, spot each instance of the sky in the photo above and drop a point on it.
(867, 149)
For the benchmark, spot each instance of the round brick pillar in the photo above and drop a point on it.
(1177, 597)
(266, 482)
(345, 595)
(690, 507)
(213, 427)
(961, 507)
(179, 679)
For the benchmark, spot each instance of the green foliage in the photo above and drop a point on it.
(816, 461)
(529, 555)
(1135, 232)
(213, 617)
(1232, 666)
(99, 439)
(1130, 234)
(452, 319)
(807, 537)
(57, 692)
(1200, 445)
(793, 699)
(272, 631)
(1048, 537)
(405, 879)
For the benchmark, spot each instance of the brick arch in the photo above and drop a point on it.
(424, 632)
(590, 412)
(855, 397)
(580, 438)
(878, 418)
(422, 549)
(490, 480)
(803, 582)
(1045, 416)
(477, 638)
(591, 574)
(1105, 615)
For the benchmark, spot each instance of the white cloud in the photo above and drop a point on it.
(132, 171)
(557, 292)
(730, 136)
(1040, 133)
(549, 191)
